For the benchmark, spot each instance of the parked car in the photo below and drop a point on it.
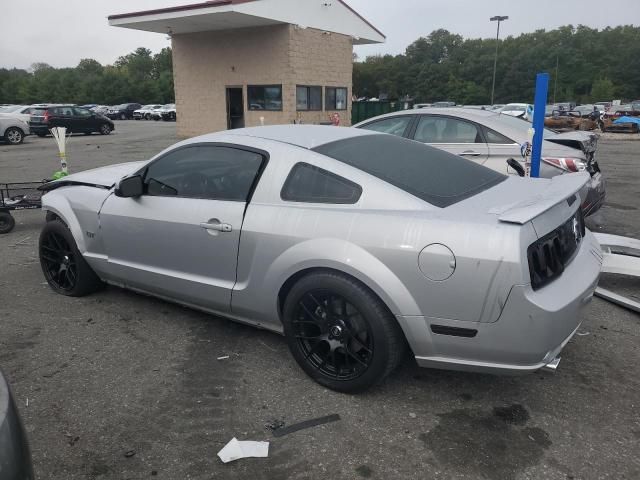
(23, 112)
(145, 112)
(491, 138)
(74, 119)
(101, 109)
(123, 112)
(165, 112)
(444, 104)
(15, 456)
(313, 232)
(13, 130)
(169, 113)
(521, 110)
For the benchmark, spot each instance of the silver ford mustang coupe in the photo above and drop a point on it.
(353, 244)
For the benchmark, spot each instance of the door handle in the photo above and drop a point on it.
(217, 227)
(469, 154)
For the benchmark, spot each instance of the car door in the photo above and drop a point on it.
(64, 117)
(86, 121)
(180, 238)
(501, 148)
(453, 135)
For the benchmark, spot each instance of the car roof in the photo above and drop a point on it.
(305, 136)
(469, 113)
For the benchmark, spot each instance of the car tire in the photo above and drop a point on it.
(340, 333)
(105, 129)
(14, 136)
(123, 116)
(64, 268)
(147, 117)
(7, 222)
(156, 118)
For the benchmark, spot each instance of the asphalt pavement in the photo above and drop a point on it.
(118, 385)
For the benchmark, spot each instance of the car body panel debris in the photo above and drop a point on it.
(235, 450)
(280, 432)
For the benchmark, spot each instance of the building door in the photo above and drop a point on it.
(235, 108)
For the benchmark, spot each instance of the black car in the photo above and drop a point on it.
(15, 457)
(124, 111)
(74, 119)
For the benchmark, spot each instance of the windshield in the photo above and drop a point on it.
(435, 176)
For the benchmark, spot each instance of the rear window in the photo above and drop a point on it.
(433, 175)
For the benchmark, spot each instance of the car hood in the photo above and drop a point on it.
(584, 141)
(105, 177)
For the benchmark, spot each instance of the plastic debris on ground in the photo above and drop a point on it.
(235, 450)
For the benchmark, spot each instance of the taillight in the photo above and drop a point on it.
(46, 116)
(567, 164)
(549, 255)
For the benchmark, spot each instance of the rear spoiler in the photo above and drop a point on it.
(560, 188)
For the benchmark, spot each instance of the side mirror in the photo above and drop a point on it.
(130, 187)
(513, 163)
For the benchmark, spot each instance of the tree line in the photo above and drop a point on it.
(593, 65)
(139, 76)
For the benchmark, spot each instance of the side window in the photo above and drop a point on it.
(435, 129)
(66, 111)
(202, 171)
(81, 112)
(496, 138)
(310, 184)
(394, 126)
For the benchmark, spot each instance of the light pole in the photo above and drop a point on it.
(495, 61)
(555, 77)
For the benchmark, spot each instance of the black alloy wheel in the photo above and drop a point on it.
(105, 129)
(59, 262)
(340, 332)
(333, 335)
(64, 268)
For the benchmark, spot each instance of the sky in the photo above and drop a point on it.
(62, 32)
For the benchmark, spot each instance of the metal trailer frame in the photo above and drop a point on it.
(621, 255)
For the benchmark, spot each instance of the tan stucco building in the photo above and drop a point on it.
(251, 62)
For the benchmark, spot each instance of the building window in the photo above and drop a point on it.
(309, 98)
(336, 98)
(265, 97)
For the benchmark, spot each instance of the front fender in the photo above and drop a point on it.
(59, 205)
(78, 207)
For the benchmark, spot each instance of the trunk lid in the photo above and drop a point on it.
(584, 141)
(541, 196)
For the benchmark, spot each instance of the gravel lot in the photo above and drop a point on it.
(121, 386)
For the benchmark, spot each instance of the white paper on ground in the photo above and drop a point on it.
(235, 450)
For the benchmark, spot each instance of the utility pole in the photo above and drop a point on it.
(555, 78)
(495, 61)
